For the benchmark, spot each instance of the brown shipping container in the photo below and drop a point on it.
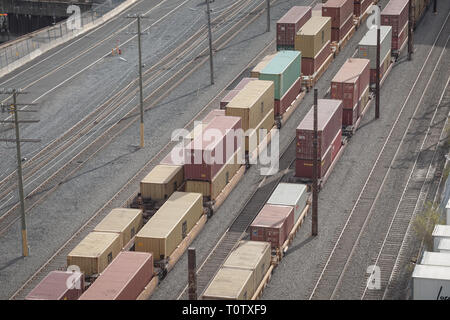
(289, 97)
(251, 255)
(317, 10)
(252, 103)
(124, 279)
(267, 123)
(261, 65)
(398, 41)
(230, 284)
(383, 68)
(93, 254)
(337, 34)
(289, 24)
(213, 188)
(161, 235)
(350, 116)
(124, 221)
(311, 65)
(272, 224)
(161, 182)
(329, 116)
(54, 287)
(204, 147)
(360, 6)
(395, 14)
(338, 10)
(313, 37)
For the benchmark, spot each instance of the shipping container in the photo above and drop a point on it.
(176, 155)
(55, 286)
(95, 252)
(444, 245)
(254, 137)
(400, 40)
(313, 37)
(261, 65)
(285, 102)
(311, 65)
(440, 231)
(317, 10)
(272, 224)
(447, 213)
(436, 259)
(230, 95)
(124, 221)
(252, 103)
(337, 34)
(360, 6)
(431, 282)
(170, 224)
(290, 194)
(284, 69)
(243, 83)
(230, 284)
(161, 182)
(250, 255)
(289, 24)
(383, 68)
(395, 14)
(207, 154)
(339, 11)
(124, 279)
(329, 122)
(367, 47)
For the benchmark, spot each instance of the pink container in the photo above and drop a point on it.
(360, 6)
(338, 10)
(289, 24)
(54, 287)
(337, 34)
(395, 14)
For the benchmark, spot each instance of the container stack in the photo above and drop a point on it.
(341, 14)
(284, 70)
(431, 282)
(317, 10)
(232, 93)
(313, 40)
(254, 73)
(289, 24)
(360, 6)
(54, 287)
(367, 49)
(290, 194)
(329, 125)
(396, 14)
(440, 232)
(161, 182)
(351, 85)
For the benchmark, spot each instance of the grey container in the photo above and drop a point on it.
(290, 194)
(440, 231)
(367, 47)
(436, 259)
(444, 245)
(431, 282)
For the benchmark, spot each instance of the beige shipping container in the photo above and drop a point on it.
(220, 180)
(126, 222)
(170, 225)
(162, 181)
(252, 103)
(314, 34)
(95, 252)
(266, 123)
(251, 255)
(230, 284)
(261, 65)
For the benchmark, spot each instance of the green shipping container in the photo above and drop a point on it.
(284, 69)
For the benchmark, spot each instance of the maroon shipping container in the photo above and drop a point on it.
(350, 116)
(338, 11)
(286, 100)
(350, 82)
(311, 66)
(329, 122)
(360, 6)
(54, 287)
(317, 9)
(383, 68)
(337, 34)
(205, 155)
(336, 146)
(289, 24)
(124, 279)
(395, 14)
(272, 224)
(243, 83)
(398, 41)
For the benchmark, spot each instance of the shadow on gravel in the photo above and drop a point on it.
(10, 263)
(242, 41)
(299, 246)
(366, 124)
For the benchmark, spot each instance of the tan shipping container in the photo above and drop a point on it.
(93, 254)
(230, 284)
(126, 222)
(314, 34)
(162, 181)
(220, 180)
(261, 65)
(169, 226)
(266, 123)
(252, 103)
(251, 255)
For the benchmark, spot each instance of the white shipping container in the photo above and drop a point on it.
(444, 245)
(367, 47)
(447, 212)
(290, 194)
(436, 259)
(440, 231)
(431, 282)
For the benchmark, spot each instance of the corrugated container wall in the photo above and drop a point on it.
(289, 24)
(161, 182)
(290, 194)
(54, 287)
(230, 95)
(431, 282)
(360, 6)
(313, 36)
(261, 65)
(230, 284)
(339, 11)
(396, 14)
(367, 47)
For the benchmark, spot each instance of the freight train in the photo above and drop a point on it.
(133, 248)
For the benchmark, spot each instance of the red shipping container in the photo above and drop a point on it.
(212, 114)
(338, 10)
(336, 146)
(329, 122)
(288, 98)
(398, 41)
(205, 155)
(289, 24)
(350, 116)
(395, 14)
(337, 34)
(360, 6)
(124, 279)
(317, 9)
(272, 224)
(311, 66)
(54, 287)
(383, 68)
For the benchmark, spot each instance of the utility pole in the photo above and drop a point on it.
(14, 110)
(410, 33)
(211, 67)
(268, 15)
(435, 7)
(315, 172)
(377, 93)
(192, 274)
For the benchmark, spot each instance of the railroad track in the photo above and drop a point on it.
(128, 192)
(102, 118)
(334, 274)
